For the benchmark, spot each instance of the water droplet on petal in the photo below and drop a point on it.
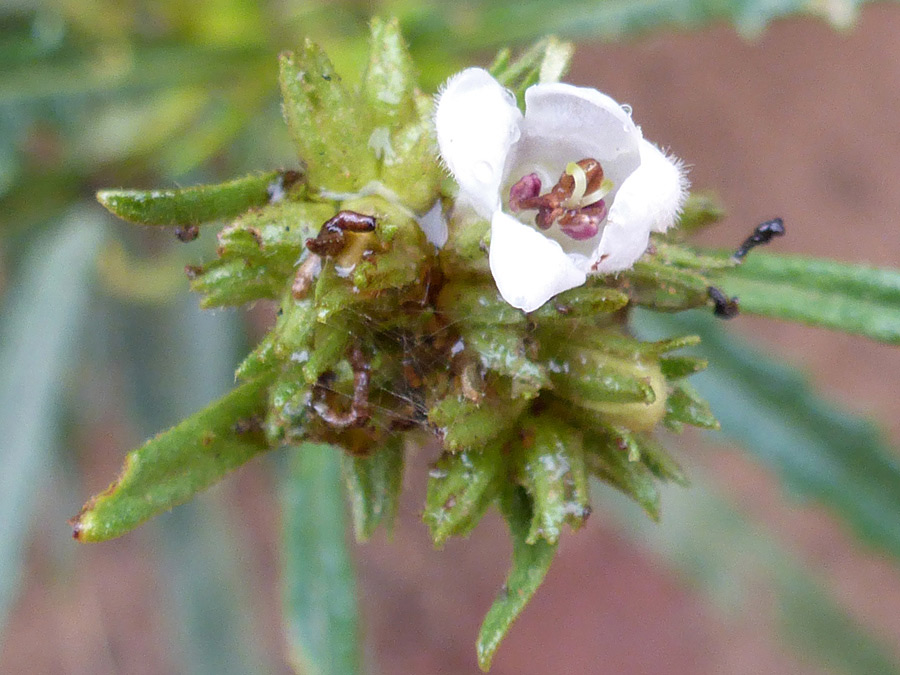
(483, 171)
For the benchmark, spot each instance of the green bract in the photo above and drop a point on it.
(380, 336)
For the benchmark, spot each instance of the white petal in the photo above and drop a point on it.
(434, 225)
(564, 123)
(649, 200)
(529, 268)
(666, 185)
(476, 121)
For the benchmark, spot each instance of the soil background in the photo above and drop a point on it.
(801, 122)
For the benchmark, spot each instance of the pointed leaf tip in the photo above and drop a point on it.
(170, 468)
(199, 203)
(530, 563)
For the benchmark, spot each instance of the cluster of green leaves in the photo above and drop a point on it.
(377, 337)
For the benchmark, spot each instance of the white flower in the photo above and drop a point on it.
(571, 187)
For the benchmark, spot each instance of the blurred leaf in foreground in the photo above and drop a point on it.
(725, 556)
(850, 298)
(819, 451)
(40, 325)
(320, 612)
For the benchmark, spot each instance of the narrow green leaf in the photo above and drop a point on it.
(701, 210)
(658, 459)
(205, 593)
(40, 325)
(200, 203)
(390, 80)
(530, 563)
(502, 350)
(74, 72)
(461, 486)
(686, 405)
(232, 283)
(688, 258)
(607, 460)
(589, 377)
(320, 609)
(326, 121)
(664, 288)
(259, 361)
(373, 486)
(332, 340)
(819, 451)
(586, 301)
(850, 298)
(478, 304)
(169, 469)
(294, 329)
(678, 367)
(589, 19)
(547, 60)
(466, 424)
(553, 471)
(877, 284)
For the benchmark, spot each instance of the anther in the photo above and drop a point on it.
(584, 223)
(526, 189)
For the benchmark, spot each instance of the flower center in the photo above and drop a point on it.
(575, 203)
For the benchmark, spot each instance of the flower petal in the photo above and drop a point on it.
(529, 268)
(434, 225)
(649, 200)
(564, 123)
(477, 122)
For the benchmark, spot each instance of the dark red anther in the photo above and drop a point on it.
(584, 223)
(526, 189)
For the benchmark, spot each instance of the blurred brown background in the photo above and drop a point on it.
(801, 122)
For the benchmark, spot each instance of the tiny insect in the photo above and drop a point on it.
(330, 240)
(725, 307)
(763, 234)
